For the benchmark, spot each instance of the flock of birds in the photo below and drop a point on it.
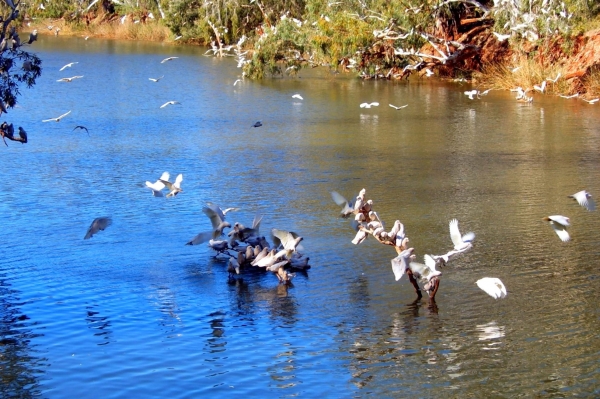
(244, 246)
(72, 78)
(522, 94)
(367, 222)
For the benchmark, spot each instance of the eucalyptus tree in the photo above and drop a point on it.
(17, 66)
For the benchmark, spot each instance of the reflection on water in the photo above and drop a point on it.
(21, 365)
(163, 320)
(100, 323)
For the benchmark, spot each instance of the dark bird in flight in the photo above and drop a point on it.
(98, 224)
(82, 128)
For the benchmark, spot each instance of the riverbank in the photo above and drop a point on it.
(568, 66)
(131, 28)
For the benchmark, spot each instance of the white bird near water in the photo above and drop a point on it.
(492, 286)
(237, 81)
(298, 96)
(168, 59)
(571, 96)
(369, 105)
(559, 223)
(461, 243)
(158, 186)
(428, 72)
(57, 119)
(170, 103)
(70, 79)
(472, 94)
(424, 271)
(69, 65)
(584, 199)
(400, 263)
(156, 79)
(396, 107)
(175, 188)
(541, 88)
(593, 101)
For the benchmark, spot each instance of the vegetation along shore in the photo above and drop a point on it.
(499, 44)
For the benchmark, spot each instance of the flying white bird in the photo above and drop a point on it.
(571, 96)
(584, 199)
(400, 107)
(594, 101)
(57, 119)
(559, 223)
(492, 286)
(424, 271)
(168, 59)
(369, 105)
(555, 79)
(158, 186)
(175, 188)
(178, 37)
(170, 103)
(69, 65)
(286, 239)
(541, 88)
(461, 243)
(298, 96)
(70, 79)
(472, 94)
(97, 225)
(157, 79)
(400, 263)
(237, 81)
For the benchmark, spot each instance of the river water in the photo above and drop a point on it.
(133, 312)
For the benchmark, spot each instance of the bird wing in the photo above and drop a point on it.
(585, 200)
(429, 262)
(455, 233)
(167, 183)
(214, 214)
(97, 225)
(256, 222)
(492, 286)
(559, 219)
(282, 237)
(165, 104)
(398, 267)
(62, 116)
(178, 180)
(165, 176)
(338, 198)
(470, 236)
(226, 210)
(157, 186)
(200, 238)
(561, 231)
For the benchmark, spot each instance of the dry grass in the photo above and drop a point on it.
(527, 73)
(149, 31)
